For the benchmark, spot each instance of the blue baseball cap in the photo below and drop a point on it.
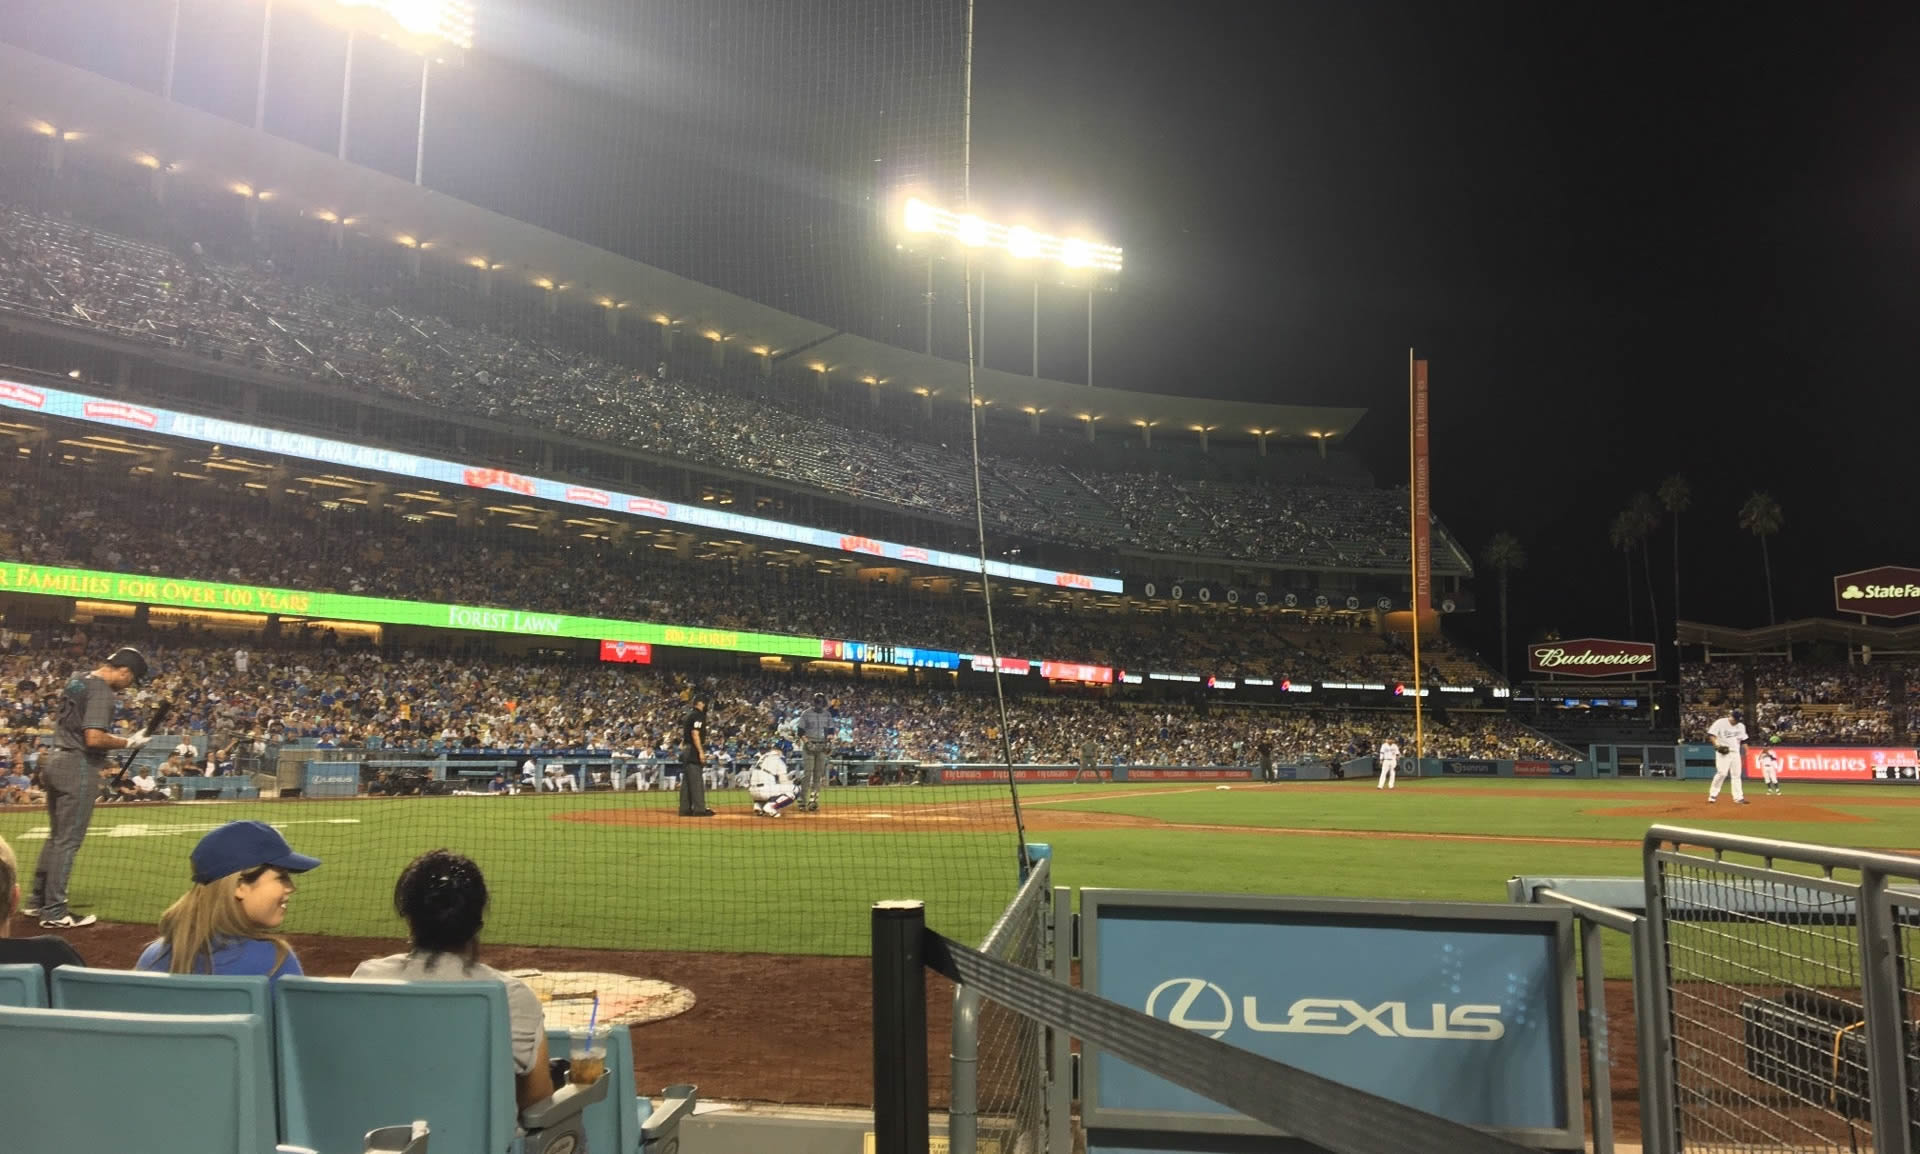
(243, 845)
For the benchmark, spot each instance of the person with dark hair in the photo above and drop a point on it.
(443, 898)
(70, 775)
(693, 759)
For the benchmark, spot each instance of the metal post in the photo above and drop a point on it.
(173, 48)
(899, 1028)
(346, 96)
(420, 137)
(981, 356)
(1059, 1081)
(260, 87)
(1653, 1139)
(1660, 1129)
(1599, 1062)
(1036, 327)
(1089, 336)
(1885, 1011)
(929, 304)
(963, 1112)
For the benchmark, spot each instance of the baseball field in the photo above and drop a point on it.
(758, 926)
(618, 871)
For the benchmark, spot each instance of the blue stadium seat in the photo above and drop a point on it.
(626, 1123)
(69, 1052)
(355, 1053)
(24, 984)
(134, 992)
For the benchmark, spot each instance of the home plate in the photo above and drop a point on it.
(567, 997)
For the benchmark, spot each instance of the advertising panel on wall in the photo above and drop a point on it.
(1463, 1010)
(1591, 657)
(1183, 773)
(234, 434)
(1835, 763)
(1888, 591)
(969, 774)
(1469, 767)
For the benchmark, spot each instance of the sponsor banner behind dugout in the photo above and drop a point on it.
(1459, 1009)
(1834, 763)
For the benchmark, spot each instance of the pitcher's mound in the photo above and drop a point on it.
(567, 997)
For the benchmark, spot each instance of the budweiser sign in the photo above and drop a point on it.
(1591, 657)
(1889, 591)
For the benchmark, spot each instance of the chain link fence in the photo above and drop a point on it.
(1788, 994)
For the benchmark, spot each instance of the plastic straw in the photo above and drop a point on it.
(592, 1017)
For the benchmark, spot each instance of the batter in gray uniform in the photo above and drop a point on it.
(71, 774)
(818, 727)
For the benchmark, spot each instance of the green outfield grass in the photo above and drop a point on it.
(782, 887)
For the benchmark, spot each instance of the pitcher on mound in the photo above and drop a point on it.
(1727, 734)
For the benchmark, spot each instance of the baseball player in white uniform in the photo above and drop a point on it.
(769, 786)
(1727, 734)
(1770, 769)
(1389, 757)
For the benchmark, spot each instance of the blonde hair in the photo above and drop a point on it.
(208, 914)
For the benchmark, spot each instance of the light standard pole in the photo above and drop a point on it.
(1089, 336)
(420, 137)
(260, 86)
(346, 96)
(1036, 327)
(173, 48)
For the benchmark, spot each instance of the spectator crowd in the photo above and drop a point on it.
(1808, 703)
(372, 337)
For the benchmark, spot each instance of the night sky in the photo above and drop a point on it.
(1631, 240)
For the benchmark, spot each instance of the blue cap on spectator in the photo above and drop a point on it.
(243, 845)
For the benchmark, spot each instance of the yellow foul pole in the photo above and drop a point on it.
(1413, 553)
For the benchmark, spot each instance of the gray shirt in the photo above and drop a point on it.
(85, 703)
(526, 1021)
(818, 725)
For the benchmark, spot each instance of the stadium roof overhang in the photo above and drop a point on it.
(1774, 637)
(101, 117)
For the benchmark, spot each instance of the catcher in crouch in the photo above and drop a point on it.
(769, 786)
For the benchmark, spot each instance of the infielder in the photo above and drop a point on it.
(769, 786)
(1770, 769)
(818, 727)
(1728, 734)
(1389, 757)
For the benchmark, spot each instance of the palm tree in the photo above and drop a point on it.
(1620, 533)
(1646, 518)
(1503, 555)
(1675, 497)
(1761, 517)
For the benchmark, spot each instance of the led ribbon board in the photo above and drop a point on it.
(214, 431)
(174, 591)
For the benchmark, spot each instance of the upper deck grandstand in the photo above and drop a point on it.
(403, 317)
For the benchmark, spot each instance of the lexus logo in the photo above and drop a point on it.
(1181, 994)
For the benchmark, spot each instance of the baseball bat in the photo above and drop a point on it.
(154, 721)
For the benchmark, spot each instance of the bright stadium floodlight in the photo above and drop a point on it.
(1018, 241)
(1085, 260)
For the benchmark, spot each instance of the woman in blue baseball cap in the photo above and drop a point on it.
(242, 878)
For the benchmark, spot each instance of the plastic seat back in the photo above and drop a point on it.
(614, 1124)
(98, 1082)
(355, 1055)
(23, 984)
(137, 992)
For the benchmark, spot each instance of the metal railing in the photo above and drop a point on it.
(1593, 920)
(1784, 989)
(1016, 1099)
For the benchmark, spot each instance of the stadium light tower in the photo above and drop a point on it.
(932, 228)
(435, 30)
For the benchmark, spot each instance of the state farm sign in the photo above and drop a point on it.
(1590, 657)
(1889, 591)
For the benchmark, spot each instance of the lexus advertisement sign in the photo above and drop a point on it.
(1590, 657)
(1889, 591)
(1833, 763)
